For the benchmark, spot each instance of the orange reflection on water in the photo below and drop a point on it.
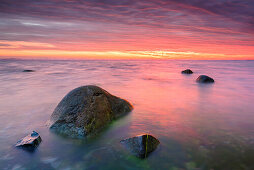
(167, 103)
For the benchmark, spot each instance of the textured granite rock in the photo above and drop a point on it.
(87, 110)
(141, 145)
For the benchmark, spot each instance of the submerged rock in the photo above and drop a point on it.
(30, 142)
(87, 110)
(204, 79)
(187, 71)
(141, 145)
(28, 71)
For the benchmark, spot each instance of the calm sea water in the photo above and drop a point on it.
(207, 126)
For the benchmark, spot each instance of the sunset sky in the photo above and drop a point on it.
(127, 29)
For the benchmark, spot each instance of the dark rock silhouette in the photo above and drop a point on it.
(187, 71)
(28, 71)
(204, 79)
(87, 110)
(141, 145)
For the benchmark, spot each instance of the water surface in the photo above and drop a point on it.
(199, 126)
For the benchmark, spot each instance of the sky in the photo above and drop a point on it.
(127, 29)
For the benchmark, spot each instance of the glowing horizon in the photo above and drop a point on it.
(72, 29)
(51, 54)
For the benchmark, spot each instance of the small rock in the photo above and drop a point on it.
(204, 79)
(141, 145)
(28, 71)
(30, 142)
(187, 71)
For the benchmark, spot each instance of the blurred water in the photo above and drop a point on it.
(200, 126)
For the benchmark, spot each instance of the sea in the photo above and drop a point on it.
(199, 126)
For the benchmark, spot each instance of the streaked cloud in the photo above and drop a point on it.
(212, 26)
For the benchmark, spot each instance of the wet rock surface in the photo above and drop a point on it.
(187, 71)
(30, 142)
(204, 79)
(86, 110)
(141, 145)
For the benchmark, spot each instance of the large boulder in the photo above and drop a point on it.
(141, 145)
(87, 110)
(187, 71)
(30, 142)
(204, 79)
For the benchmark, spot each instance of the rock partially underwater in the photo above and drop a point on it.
(30, 142)
(28, 71)
(204, 79)
(187, 71)
(141, 145)
(87, 110)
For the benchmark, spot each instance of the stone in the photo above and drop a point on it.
(28, 71)
(204, 79)
(141, 145)
(30, 142)
(87, 110)
(187, 71)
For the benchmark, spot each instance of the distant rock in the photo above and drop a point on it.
(87, 110)
(30, 142)
(187, 71)
(28, 71)
(204, 79)
(141, 145)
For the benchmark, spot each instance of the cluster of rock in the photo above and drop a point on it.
(201, 78)
(86, 110)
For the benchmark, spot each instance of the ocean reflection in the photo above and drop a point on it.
(200, 126)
